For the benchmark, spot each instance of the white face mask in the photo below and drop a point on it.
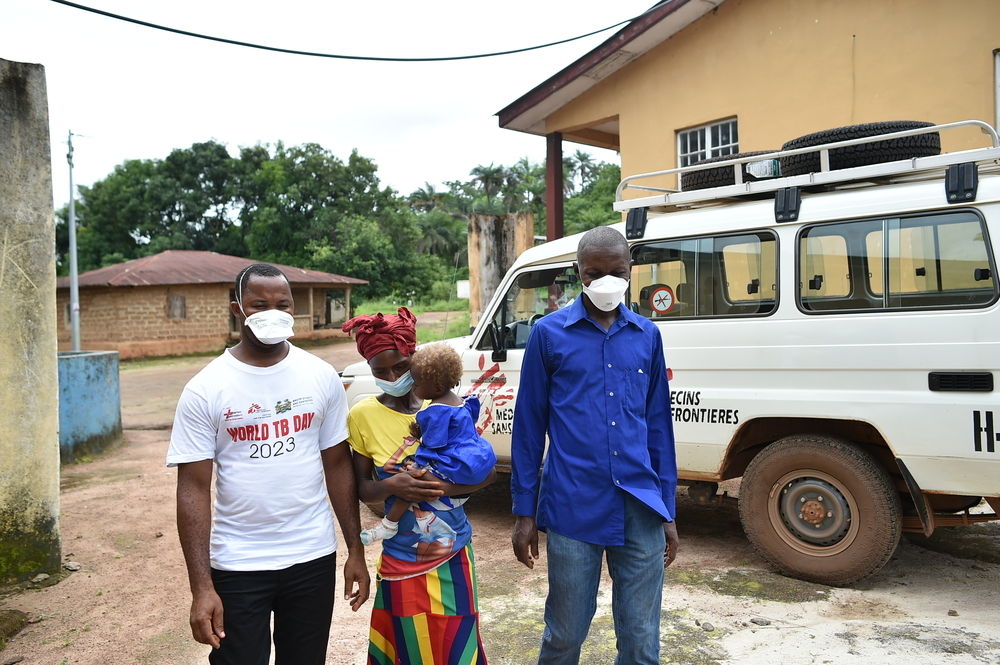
(606, 292)
(272, 326)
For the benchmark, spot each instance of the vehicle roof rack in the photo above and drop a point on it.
(665, 200)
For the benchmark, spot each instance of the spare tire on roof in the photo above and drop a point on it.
(719, 177)
(908, 147)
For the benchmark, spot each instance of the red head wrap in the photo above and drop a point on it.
(380, 332)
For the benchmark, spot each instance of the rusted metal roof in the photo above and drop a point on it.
(178, 266)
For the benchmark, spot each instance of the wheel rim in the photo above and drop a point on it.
(813, 512)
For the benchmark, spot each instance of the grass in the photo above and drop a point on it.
(390, 305)
(455, 325)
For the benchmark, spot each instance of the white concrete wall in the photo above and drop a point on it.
(29, 387)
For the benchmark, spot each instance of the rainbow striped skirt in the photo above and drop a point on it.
(429, 619)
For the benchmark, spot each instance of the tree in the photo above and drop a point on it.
(586, 167)
(569, 171)
(185, 201)
(593, 205)
(490, 180)
(426, 198)
(304, 206)
(117, 216)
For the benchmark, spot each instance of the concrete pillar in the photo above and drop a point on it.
(29, 385)
(494, 242)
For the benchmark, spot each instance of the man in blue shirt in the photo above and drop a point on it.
(594, 379)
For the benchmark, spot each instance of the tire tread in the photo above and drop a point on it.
(875, 545)
(921, 145)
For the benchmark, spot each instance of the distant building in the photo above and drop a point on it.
(692, 79)
(177, 302)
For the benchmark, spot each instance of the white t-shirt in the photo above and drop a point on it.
(264, 427)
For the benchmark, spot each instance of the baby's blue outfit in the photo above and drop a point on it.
(451, 447)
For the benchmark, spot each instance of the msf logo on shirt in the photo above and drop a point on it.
(983, 431)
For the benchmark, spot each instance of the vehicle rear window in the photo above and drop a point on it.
(927, 261)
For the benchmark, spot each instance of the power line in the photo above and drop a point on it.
(341, 56)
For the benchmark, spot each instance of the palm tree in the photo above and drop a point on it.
(585, 167)
(426, 198)
(490, 179)
(436, 236)
(569, 169)
(513, 190)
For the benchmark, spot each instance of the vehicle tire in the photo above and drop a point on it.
(719, 177)
(850, 522)
(922, 145)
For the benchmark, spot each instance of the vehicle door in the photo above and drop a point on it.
(492, 365)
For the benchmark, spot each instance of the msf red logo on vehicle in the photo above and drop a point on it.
(983, 431)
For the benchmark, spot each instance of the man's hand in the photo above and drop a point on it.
(524, 540)
(206, 618)
(413, 489)
(673, 543)
(356, 572)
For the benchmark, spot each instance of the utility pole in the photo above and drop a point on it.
(74, 279)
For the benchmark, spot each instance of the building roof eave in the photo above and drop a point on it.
(529, 112)
(187, 267)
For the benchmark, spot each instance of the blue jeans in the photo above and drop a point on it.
(636, 569)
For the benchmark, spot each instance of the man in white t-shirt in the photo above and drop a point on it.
(271, 419)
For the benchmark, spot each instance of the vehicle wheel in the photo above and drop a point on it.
(820, 509)
(922, 145)
(719, 177)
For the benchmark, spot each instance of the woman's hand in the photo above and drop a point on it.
(413, 489)
(402, 485)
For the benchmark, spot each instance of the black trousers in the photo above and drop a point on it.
(301, 598)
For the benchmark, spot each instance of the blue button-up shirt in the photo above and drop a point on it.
(602, 397)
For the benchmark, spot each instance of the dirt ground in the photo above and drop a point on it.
(128, 603)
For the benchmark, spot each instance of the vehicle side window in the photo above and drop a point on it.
(531, 296)
(939, 260)
(695, 277)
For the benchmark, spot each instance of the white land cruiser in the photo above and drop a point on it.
(832, 334)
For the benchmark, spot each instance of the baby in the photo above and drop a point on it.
(450, 447)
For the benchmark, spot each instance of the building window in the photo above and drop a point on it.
(176, 306)
(713, 140)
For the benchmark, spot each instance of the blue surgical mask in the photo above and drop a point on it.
(397, 388)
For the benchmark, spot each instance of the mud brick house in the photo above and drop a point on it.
(178, 302)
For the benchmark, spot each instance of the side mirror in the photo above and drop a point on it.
(498, 338)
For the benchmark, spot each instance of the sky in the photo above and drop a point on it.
(131, 92)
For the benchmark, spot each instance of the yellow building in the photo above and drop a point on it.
(701, 78)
